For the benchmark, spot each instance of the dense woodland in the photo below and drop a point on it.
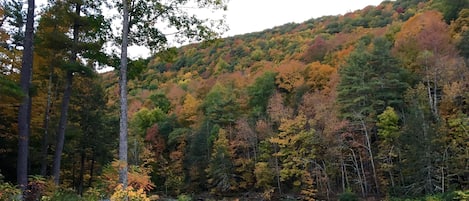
(371, 104)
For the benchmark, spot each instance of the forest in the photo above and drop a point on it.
(369, 105)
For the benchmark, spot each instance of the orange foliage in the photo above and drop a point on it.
(290, 75)
(413, 27)
(319, 75)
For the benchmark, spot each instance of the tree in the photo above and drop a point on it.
(420, 147)
(220, 169)
(25, 107)
(295, 153)
(388, 154)
(88, 26)
(189, 110)
(139, 24)
(220, 105)
(451, 8)
(260, 92)
(290, 75)
(370, 81)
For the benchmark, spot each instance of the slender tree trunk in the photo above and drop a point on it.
(82, 171)
(358, 172)
(45, 135)
(25, 107)
(91, 169)
(65, 102)
(277, 172)
(372, 160)
(61, 129)
(342, 171)
(123, 98)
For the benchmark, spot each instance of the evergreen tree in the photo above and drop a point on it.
(88, 34)
(220, 168)
(370, 82)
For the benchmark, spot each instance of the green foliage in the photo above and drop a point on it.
(450, 8)
(371, 81)
(161, 101)
(136, 67)
(9, 89)
(145, 118)
(348, 195)
(16, 17)
(462, 195)
(220, 105)
(64, 195)
(184, 198)
(387, 124)
(260, 92)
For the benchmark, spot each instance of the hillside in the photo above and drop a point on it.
(373, 103)
(369, 105)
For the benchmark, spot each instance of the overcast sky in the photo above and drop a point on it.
(246, 16)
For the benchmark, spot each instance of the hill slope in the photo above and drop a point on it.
(365, 101)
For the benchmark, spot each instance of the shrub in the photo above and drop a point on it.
(348, 195)
(130, 193)
(9, 191)
(184, 198)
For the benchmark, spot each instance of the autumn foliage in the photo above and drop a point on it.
(372, 104)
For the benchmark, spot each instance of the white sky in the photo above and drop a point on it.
(246, 16)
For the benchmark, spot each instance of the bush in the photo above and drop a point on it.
(62, 195)
(184, 198)
(461, 195)
(130, 193)
(9, 191)
(348, 195)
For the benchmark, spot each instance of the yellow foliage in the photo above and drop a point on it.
(132, 195)
(189, 109)
(138, 177)
(319, 75)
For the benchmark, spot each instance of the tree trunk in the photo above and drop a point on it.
(25, 107)
(91, 168)
(82, 171)
(372, 161)
(45, 135)
(61, 129)
(66, 101)
(123, 98)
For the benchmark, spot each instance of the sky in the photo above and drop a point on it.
(247, 16)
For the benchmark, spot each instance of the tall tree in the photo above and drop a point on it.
(370, 81)
(79, 33)
(123, 122)
(139, 24)
(24, 113)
